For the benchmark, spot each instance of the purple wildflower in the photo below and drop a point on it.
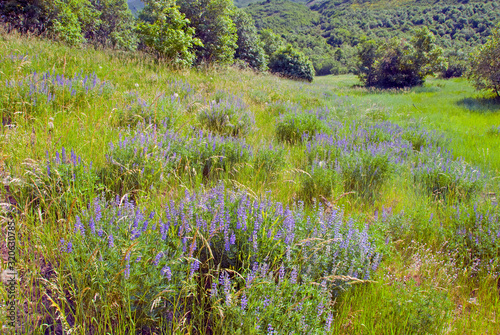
(293, 276)
(194, 267)
(244, 301)
(166, 272)
(158, 258)
(111, 241)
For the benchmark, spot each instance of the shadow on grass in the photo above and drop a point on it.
(481, 105)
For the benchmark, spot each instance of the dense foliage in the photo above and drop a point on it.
(213, 24)
(291, 63)
(485, 70)
(327, 31)
(165, 30)
(106, 23)
(250, 49)
(399, 63)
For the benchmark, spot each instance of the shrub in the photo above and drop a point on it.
(227, 117)
(398, 63)
(292, 64)
(210, 253)
(454, 70)
(319, 182)
(445, 178)
(295, 127)
(485, 67)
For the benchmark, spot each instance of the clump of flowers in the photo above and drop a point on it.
(227, 117)
(235, 251)
(59, 181)
(153, 155)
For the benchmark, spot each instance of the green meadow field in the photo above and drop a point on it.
(216, 200)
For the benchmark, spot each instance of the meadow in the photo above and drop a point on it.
(216, 200)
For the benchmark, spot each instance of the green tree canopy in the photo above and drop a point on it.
(101, 22)
(292, 64)
(213, 24)
(485, 71)
(249, 45)
(398, 63)
(165, 31)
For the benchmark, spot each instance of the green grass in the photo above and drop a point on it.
(429, 281)
(450, 106)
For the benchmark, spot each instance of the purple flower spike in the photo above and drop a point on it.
(158, 258)
(111, 241)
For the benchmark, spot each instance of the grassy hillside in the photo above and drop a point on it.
(144, 200)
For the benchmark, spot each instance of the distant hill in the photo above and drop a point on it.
(331, 29)
(244, 3)
(137, 5)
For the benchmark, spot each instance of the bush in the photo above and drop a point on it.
(485, 69)
(398, 63)
(454, 70)
(213, 253)
(227, 117)
(292, 64)
(165, 31)
(293, 128)
(320, 182)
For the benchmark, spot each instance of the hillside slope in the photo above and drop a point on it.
(129, 189)
(333, 28)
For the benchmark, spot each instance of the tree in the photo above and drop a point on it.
(485, 67)
(214, 27)
(70, 19)
(367, 55)
(292, 64)
(24, 15)
(427, 56)
(99, 22)
(271, 42)
(115, 25)
(398, 63)
(165, 30)
(249, 47)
